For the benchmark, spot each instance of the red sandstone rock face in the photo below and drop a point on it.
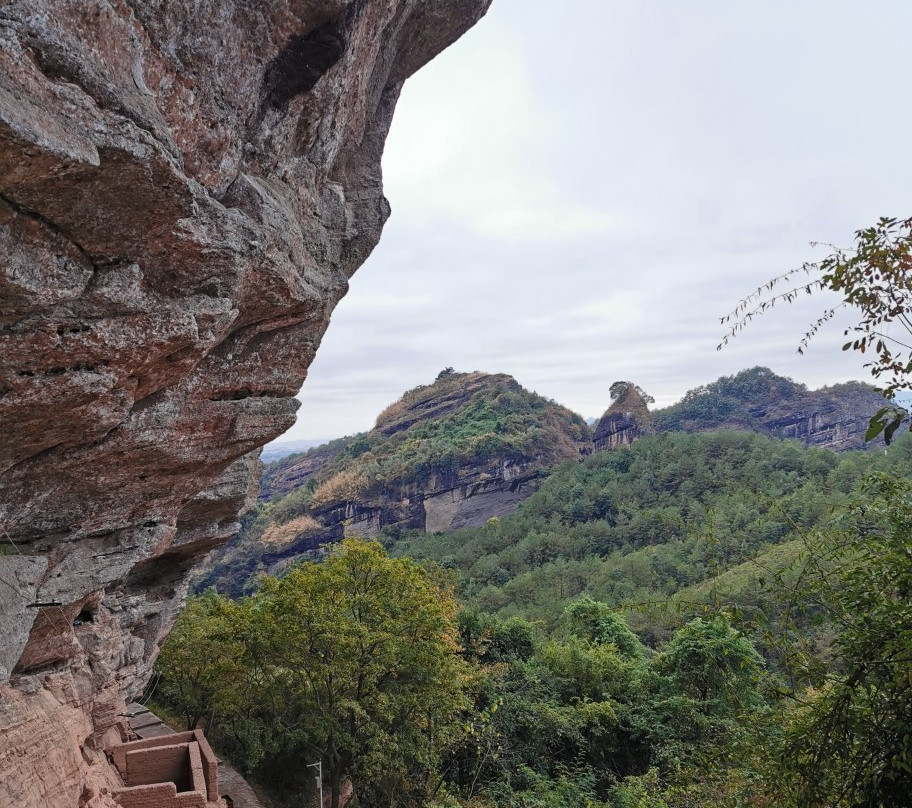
(185, 189)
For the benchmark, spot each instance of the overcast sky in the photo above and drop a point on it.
(581, 189)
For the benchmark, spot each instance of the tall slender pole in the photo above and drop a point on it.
(319, 778)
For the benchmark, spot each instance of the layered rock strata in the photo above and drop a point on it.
(447, 455)
(464, 496)
(614, 429)
(467, 496)
(756, 400)
(185, 190)
(835, 419)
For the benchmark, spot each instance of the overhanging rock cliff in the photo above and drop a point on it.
(185, 189)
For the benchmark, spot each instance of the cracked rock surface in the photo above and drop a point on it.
(185, 190)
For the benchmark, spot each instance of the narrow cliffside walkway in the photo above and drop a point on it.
(231, 785)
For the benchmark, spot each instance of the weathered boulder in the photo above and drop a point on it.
(625, 420)
(185, 190)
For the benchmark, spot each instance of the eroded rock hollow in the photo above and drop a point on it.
(185, 190)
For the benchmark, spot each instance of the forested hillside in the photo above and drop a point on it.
(681, 621)
(638, 524)
(461, 419)
(695, 621)
(759, 400)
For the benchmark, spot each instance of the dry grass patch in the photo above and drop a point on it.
(346, 485)
(392, 413)
(282, 535)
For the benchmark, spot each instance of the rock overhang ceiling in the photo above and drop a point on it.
(185, 190)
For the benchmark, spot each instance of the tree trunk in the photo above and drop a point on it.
(335, 777)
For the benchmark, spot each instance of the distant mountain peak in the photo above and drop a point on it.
(449, 391)
(450, 453)
(759, 400)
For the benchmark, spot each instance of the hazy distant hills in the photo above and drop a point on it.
(282, 448)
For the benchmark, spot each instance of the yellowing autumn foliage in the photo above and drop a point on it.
(345, 485)
(282, 535)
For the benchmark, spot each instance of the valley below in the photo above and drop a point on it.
(636, 625)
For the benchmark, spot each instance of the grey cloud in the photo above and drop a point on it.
(574, 204)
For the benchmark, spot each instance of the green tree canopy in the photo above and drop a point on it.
(595, 621)
(369, 644)
(197, 663)
(848, 741)
(356, 662)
